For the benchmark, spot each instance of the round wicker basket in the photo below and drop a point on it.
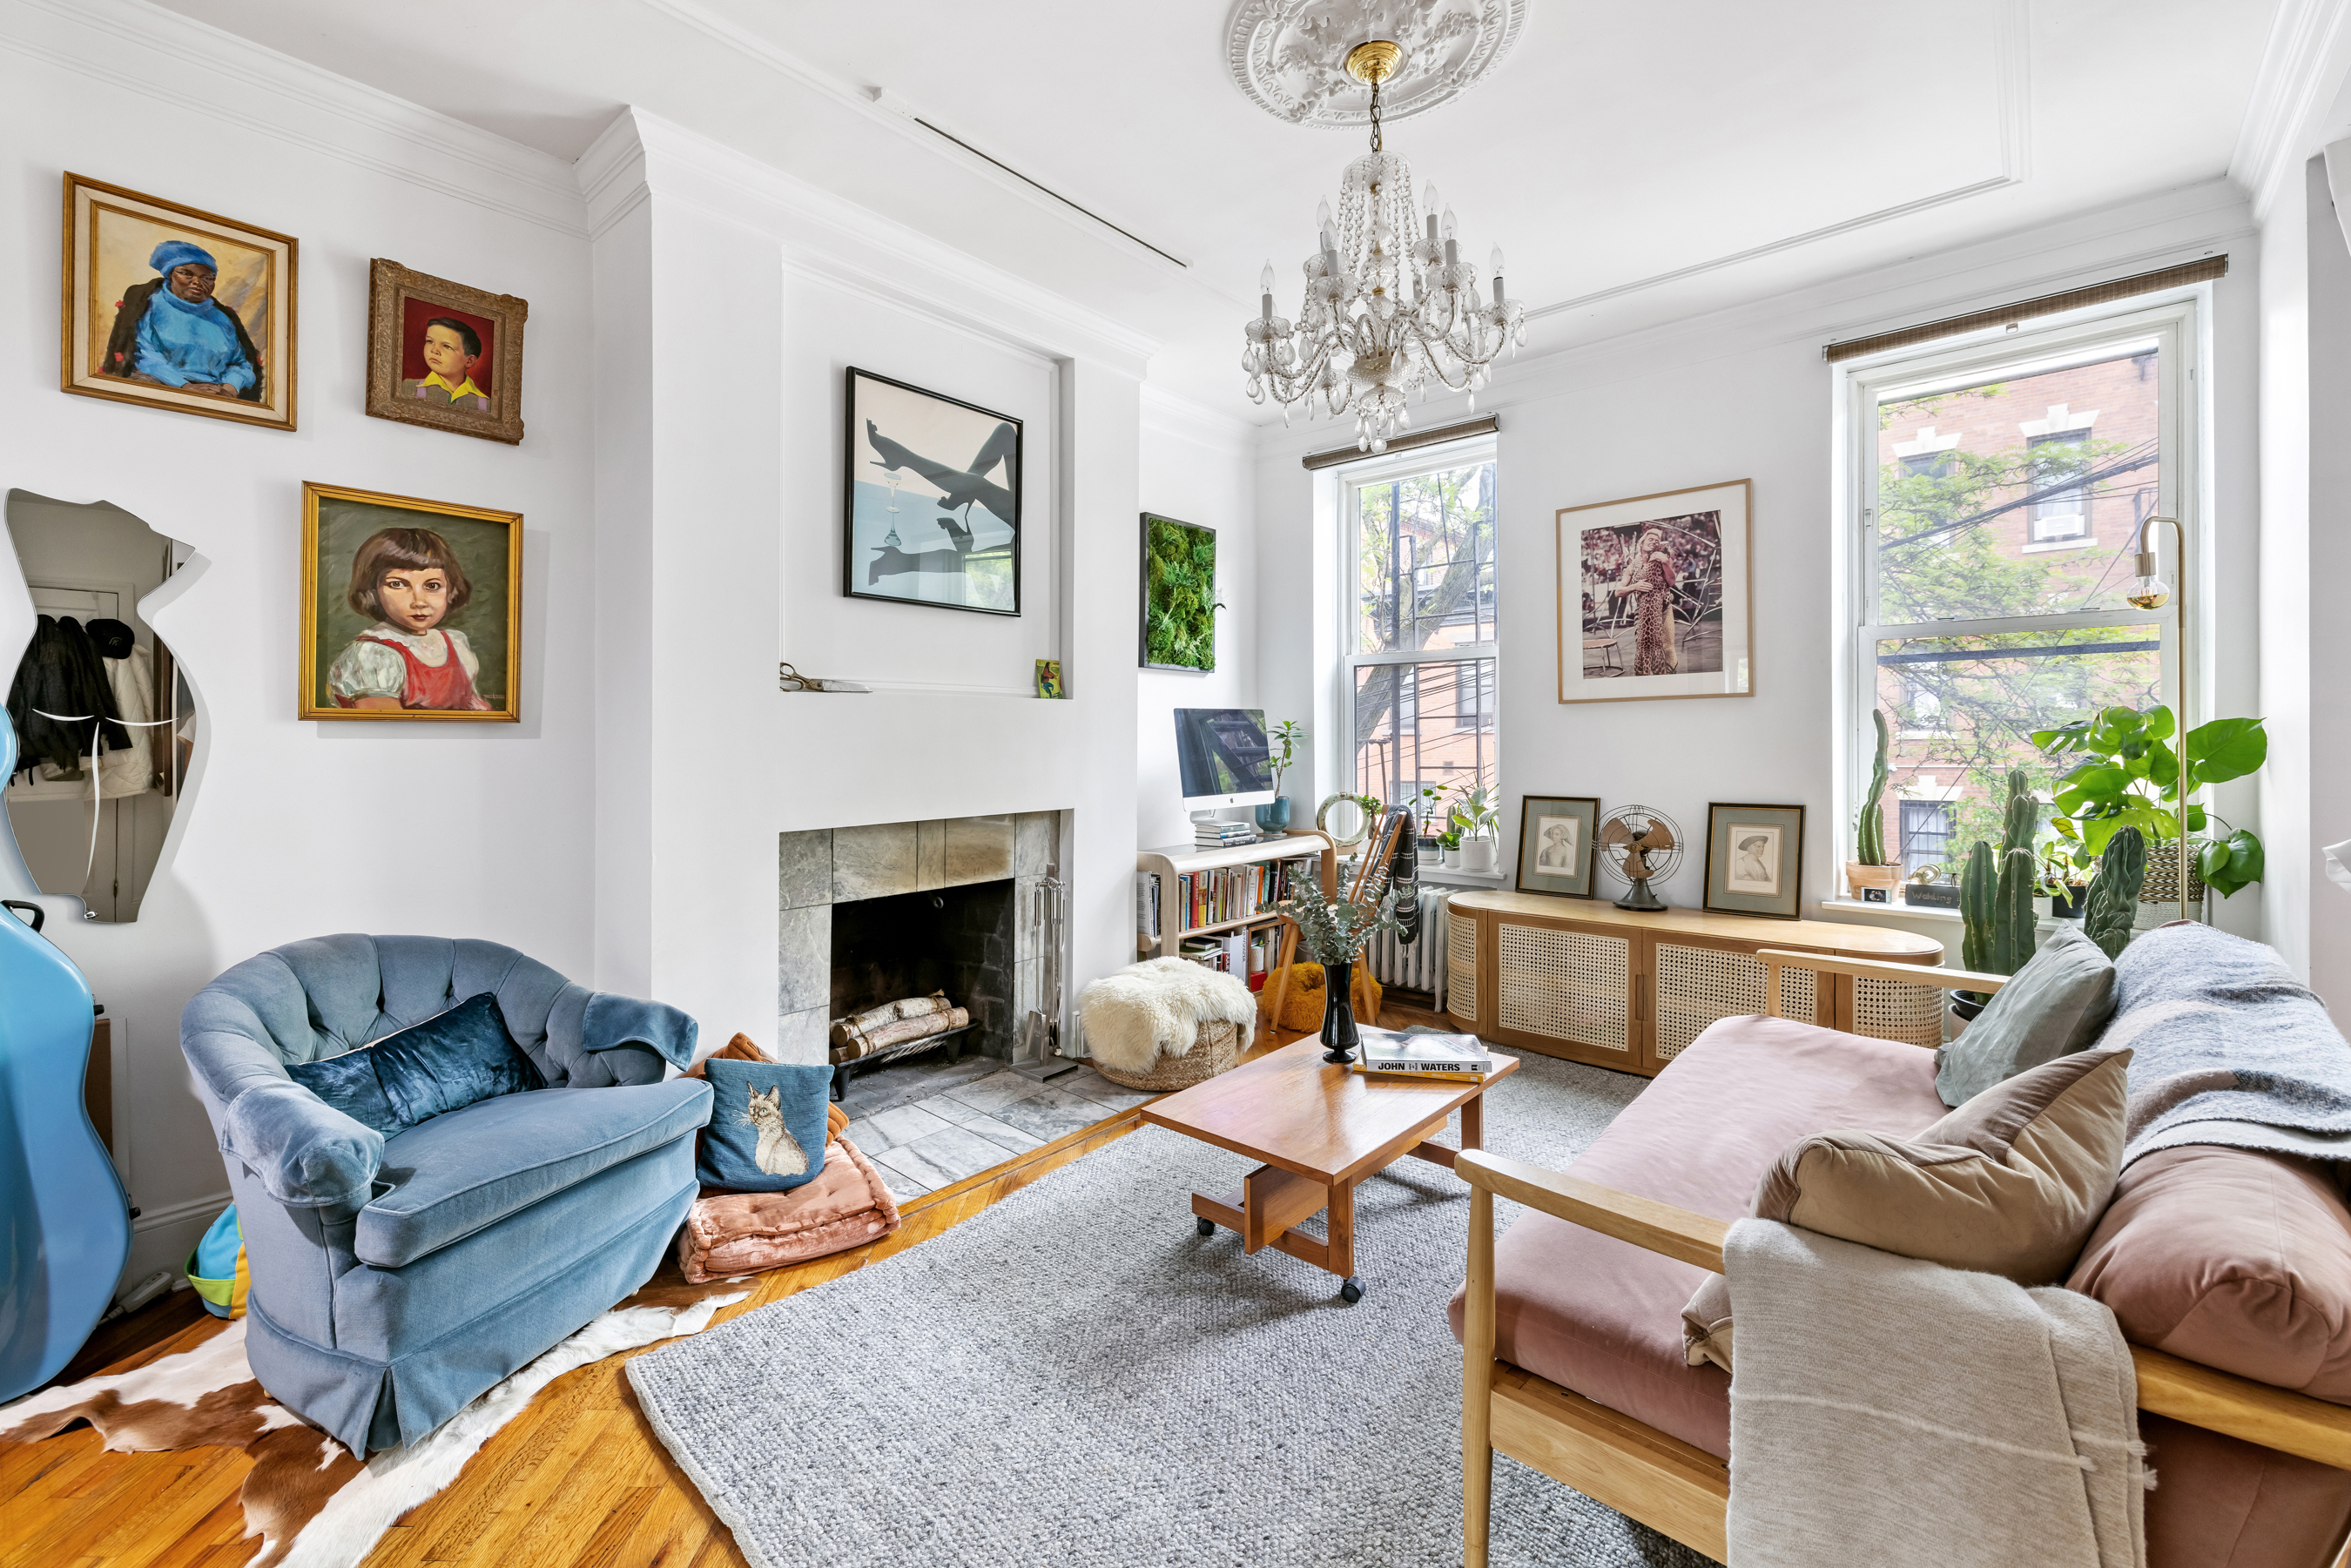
(1215, 1048)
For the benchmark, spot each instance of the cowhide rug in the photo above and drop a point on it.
(313, 1505)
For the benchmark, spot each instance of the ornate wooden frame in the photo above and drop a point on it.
(390, 286)
(1685, 1492)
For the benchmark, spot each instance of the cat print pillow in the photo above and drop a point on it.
(767, 1125)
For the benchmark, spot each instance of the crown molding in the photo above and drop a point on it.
(2303, 64)
(1166, 413)
(199, 68)
(820, 234)
(2012, 112)
(889, 112)
(2171, 227)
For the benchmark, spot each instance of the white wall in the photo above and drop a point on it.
(1746, 394)
(1200, 467)
(719, 477)
(283, 830)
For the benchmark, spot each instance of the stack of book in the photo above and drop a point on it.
(1461, 1057)
(1218, 834)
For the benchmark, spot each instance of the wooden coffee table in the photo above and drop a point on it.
(1319, 1129)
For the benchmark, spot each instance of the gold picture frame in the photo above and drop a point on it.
(414, 318)
(124, 253)
(368, 646)
(1687, 552)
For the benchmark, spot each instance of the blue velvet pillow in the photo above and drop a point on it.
(767, 1125)
(449, 1061)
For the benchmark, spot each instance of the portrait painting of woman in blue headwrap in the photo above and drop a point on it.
(172, 332)
(177, 308)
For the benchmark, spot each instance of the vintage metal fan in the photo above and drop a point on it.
(1640, 845)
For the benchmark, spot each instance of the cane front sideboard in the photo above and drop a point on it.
(1583, 979)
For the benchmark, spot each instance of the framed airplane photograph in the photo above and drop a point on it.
(931, 499)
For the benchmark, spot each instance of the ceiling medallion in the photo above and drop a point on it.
(1291, 56)
(1359, 342)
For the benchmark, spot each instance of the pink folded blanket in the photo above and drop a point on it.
(738, 1233)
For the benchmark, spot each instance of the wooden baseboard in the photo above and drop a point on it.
(1667, 1484)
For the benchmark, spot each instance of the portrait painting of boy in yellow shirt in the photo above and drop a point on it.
(444, 355)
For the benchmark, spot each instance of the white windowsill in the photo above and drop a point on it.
(1445, 876)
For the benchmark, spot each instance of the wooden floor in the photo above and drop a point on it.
(576, 1481)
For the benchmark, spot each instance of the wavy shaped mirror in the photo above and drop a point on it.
(105, 723)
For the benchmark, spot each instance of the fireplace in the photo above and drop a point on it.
(871, 914)
(957, 940)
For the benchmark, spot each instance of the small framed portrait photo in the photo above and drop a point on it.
(411, 609)
(443, 355)
(1754, 859)
(1556, 834)
(176, 308)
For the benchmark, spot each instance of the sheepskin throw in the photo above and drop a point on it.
(1156, 1008)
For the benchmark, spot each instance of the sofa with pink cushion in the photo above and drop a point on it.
(2234, 1260)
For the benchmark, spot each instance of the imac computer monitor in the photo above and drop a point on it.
(1222, 756)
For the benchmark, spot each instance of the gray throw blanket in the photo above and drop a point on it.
(1889, 1410)
(2229, 1048)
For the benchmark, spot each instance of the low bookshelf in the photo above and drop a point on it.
(1215, 893)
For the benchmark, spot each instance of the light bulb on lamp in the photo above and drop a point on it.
(2148, 589)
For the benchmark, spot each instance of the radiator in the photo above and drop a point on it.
(1421, 966)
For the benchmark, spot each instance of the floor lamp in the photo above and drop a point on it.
(2150, 591)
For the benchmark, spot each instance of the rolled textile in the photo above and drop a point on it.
(845, 1030)
(861, 1044)
(735, 1234)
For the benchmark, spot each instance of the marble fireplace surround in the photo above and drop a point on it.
(820, 867)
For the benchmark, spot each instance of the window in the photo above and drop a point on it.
(1419, 650)
(1926, 834)
(1988, 585)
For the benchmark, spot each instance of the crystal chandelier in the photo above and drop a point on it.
(1357, 342)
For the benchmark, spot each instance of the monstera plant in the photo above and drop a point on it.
(2127, 776)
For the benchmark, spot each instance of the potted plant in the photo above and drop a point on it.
(1448, 848)
(1869, 876)
(2064, 880)
(1284, 739)
(1332, 932)
(1476, 819)
(2130, 777)
(1996, 896)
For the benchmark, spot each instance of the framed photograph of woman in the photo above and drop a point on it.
(175, 307)
(1556, 834)
(1754, 859)
(443, 355)
(931, 499)
(411, 609)
(1655, 591)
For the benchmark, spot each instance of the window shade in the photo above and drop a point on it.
(2209, 267)
(1338, 454)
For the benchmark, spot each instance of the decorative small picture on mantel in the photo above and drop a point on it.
(931, 502)
(1179, 595)
(1556, 834)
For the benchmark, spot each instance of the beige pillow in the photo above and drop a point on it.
(2010, 1183)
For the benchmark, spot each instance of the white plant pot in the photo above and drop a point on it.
(1447, 860)
(1478, 855)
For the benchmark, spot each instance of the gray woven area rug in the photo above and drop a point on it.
(1075, 1377)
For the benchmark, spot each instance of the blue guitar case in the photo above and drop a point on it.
(66, 1222)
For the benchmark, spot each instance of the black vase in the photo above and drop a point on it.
(1338, 1036)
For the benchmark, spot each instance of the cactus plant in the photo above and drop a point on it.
(2012, 923)
(1869, 837)
(2023, 817)
(1976, 909)
(2113, 894)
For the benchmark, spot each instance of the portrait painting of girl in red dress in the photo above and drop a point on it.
(409, 608)
(407, 581)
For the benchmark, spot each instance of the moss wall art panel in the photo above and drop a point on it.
(1179, 595)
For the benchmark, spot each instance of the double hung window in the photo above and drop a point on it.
(1998, 494)
(1419, 648)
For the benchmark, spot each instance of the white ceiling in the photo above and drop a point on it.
(1636, 161)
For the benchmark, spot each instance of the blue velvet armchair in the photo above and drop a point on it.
(394, 1279)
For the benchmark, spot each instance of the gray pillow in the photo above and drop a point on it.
(2055, 1005)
